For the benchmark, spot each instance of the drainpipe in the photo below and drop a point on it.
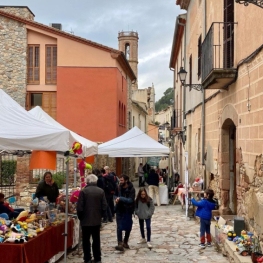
(203, 112)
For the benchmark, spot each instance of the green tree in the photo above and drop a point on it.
(165, 100)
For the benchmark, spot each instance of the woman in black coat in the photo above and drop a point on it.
(47, 188)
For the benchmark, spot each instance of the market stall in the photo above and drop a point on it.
(20, 130)
(38, 249)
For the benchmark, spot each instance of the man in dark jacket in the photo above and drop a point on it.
(91, 207)
(125, 205)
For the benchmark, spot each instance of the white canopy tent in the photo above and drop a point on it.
(134, 143)
(89, 147)
(20, 130)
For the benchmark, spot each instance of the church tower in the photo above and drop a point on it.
(128, 44)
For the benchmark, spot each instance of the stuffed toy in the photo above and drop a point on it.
(75, 149)
(74, 196)
(82, 166)
(22, 216)
(4, 215)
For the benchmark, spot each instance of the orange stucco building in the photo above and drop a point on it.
(82, 84)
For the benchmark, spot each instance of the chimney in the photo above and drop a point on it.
(56, 25)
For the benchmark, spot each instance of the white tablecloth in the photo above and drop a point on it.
(163, 194)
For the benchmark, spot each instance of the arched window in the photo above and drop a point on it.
(127, 51)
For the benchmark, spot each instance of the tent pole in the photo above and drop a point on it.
(75, 172)
(66, 216)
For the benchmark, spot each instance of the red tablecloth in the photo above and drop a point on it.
(38, 249)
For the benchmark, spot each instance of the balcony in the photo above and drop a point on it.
(217, 59)
(176, 121)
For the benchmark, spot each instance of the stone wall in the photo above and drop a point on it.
(23, 12)
(13, 62)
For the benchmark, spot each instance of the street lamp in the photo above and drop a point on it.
(258, 3)
(182, 76)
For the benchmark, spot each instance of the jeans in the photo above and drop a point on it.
(205, 229)
(148, 228)
(94, 232)
(141, 181)
(108, 211)
(111, 204)
(119, 219)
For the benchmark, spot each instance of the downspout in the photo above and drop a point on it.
(203, 115)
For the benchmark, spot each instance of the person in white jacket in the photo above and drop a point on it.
(144, 209)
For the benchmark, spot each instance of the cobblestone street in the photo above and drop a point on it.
(174, 239)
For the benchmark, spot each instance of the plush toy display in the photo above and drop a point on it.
(76, 148)
(82, 166)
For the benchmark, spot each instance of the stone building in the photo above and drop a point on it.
(221, 126)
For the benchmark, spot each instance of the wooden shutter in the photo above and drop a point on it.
(199, 55)
(51, 64)
(33, 64)
(228, 34)
(49, 103)
(190, 70)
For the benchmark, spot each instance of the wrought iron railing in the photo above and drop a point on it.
(176, 119)
(218, 48)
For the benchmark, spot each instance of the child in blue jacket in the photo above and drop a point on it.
(204, 211)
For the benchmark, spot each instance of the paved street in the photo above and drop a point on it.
(174, 239)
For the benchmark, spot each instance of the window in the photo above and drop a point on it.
(199, 55)
(33, 64)
(36, 99)
(51, 64)
(46, 100)
(127, 51)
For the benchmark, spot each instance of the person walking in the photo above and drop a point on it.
(124, 199)
(204, 211)
(144, 209)
(153, 182)
(90, 209)
(141, 175)
(110, 187)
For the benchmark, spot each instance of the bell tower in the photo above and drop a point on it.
(128, 44)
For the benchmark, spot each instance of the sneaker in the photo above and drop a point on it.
(149, 245)
(142, 240)
(202, 245)
(208, 244)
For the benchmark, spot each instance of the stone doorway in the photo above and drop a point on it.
(228, 173)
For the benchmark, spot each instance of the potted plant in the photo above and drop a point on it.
(59, 178)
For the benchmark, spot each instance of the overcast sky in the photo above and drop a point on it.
(101, 20)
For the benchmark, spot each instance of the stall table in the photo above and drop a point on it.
(38, 249)
(163, 195)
